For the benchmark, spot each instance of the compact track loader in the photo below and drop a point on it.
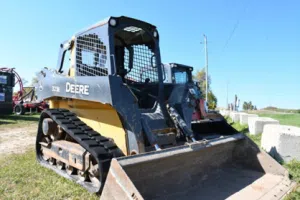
(207, 123)
(115, 128)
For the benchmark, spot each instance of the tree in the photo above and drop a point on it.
(245, 106)
(212, 100)
(34, 80)
(249, 106)
(201, 78)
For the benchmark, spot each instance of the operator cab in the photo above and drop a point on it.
(118, 46)
(178, 73)
(175, 75)
(137, 59)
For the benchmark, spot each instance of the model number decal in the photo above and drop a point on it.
(77, 89)
(55, 89)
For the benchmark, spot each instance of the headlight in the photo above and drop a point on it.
(155, 34)
(113, 22)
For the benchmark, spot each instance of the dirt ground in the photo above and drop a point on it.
(17, 140)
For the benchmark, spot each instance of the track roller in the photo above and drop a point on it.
(60, 165)
(82, 175)
(60, 146)
(70, 170)
(52, 161)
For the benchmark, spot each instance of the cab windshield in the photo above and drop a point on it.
(135, 55)
(180, 77)
(181, 74)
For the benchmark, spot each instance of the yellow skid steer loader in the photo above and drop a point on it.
(115, 128)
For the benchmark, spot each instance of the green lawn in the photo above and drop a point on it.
(285, 119)
(13, 121)
(22, 177)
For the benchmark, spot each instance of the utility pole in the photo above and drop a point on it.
(206, 66)
(227, 95)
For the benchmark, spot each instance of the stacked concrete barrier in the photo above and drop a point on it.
(227, 112)
(235, 116)
(256, 124)
(224, 113)
(230, 114)
(245, 116)
(282, 142)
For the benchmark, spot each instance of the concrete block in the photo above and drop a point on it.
(245, 116)
(256, 124)
(235, 116)
(224, 113)
(282, 142)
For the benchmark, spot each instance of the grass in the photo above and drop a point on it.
(294, 170)
(243, 128)
(285, 119)
(255, 138)
(13, 121)
(275, 109)
(23, 178)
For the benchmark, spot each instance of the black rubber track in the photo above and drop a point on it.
(100, 147)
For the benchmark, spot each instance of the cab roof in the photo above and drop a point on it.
(121, 18)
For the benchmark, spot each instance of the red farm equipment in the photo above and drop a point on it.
(24, 100)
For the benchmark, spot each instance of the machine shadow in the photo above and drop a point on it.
(13, 119)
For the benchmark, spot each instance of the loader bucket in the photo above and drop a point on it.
(232, 167)
(212, 127)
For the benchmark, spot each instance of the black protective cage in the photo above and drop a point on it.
(182, 68)
(124, 22)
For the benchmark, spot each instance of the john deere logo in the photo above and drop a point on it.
(77, 89)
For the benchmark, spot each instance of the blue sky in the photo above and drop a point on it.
(253, 45)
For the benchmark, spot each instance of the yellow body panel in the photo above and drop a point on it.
(72, 72)
(102, 118)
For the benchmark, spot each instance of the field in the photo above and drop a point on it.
(284, 119)
(23, 178)
(13, 121)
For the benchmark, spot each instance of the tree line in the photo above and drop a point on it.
(249, 106)
(200, 77)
